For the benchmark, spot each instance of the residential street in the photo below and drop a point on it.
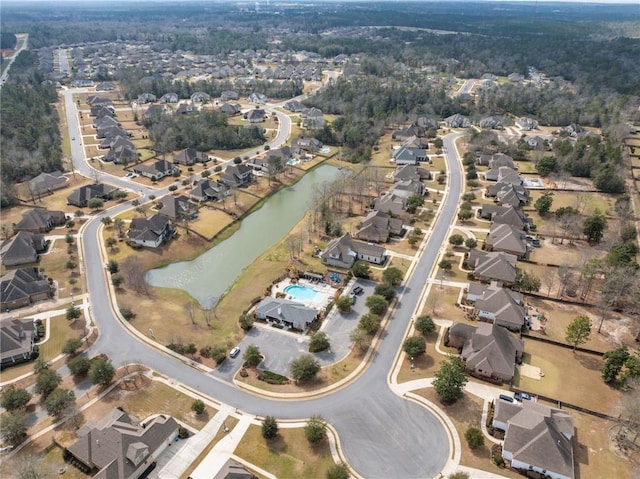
(381, 434)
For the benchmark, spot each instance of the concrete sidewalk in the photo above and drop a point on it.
(193, 447)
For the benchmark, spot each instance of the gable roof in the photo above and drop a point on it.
(538, 435)
(377, 226)
(508, 238)
(411, 172)
(39, 219)
(492, 349)
(22, 248)
(16, 338)
(208, 189)
(111, 443)
(281, 309)
(148, 229)
(390, 203)
(494, 265)
(47, 182)
(504, 304)
(409, 155)
(21, 283)
(176, 207)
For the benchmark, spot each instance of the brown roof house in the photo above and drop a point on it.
(157, 170)
(502, 307)
(233, 470)
(411, 172)
(378, 226)
(507, 238)
(344, 251)
(390, 203)
(80, 197)
(537, 438)
(493, 266)
(40, 220)
(119, 446)
(23, 248)
(488, 351)
(21, 287)
(17, 341)
(508, 194)
(150, 232)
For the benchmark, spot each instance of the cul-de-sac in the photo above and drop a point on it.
(320, 240)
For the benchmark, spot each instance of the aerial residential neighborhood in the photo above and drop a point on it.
(275, 240)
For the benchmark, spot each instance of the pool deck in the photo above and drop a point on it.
(324, 292)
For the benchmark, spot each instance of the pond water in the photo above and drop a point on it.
(209, 275)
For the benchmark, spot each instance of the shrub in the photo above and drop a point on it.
(79, 366)
(474, 437)
(198, 406)
(415, 346)
(319, 342)
(269, 427)
(425, 325)
(270, 377)
(315, 430)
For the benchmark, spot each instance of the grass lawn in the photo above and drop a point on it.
(426, 365)
(567, 376)
(565, 253)
(210, 222)
(384, 152)
(590, 201)
(441, 303)
(61, 330)
(401, 245)
(56, 201)
(466, 413)
(54, 264)
(288, 456)
(526, 167)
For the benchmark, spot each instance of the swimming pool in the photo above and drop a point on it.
(301, 293)
(325, 150)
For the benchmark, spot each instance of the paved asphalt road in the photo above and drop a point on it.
(24, 38)
(381, 434)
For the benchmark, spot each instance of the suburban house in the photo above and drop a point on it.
(119, 446)
(257, 115)
(508, 194)
(101, 111)
(488, 350)
(17, 341)
(313, 119)
(409, 156)
(229, 95)
(457, 121)
(80, 197)
(230, 109)
(537, 438)
(504, 174)
(190, 156)
(207, 190)
(409, 188)
(235, 176)
(23, 248)
(411, 172)
(304, 145)
(507, 238)
(186, 109)
(146, 98)
(21, 287)
(40, 220)
(155, 111)
(294, 106)
(103, 122)
(285, 312)
(158, 170)
(150, 232)
(492, 122)
(117, 141)
(344, 251)
(378, 226)
(526, 124)
(122, 154)
(95, 100)
(199, 97)
(498, 305)
(390, 203)
(47, 182)
(177, 208)
(270, 160)
(406, 133)
(233, 470)
(493, 266)
(416, 142)
(507, 215)
(258, 98)
(170, 98)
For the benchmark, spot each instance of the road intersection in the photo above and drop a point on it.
(381, 434)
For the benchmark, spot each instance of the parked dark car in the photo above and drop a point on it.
(358, 290)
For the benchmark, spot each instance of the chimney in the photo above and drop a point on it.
(279, 311)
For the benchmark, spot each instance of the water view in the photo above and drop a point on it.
(208, 276)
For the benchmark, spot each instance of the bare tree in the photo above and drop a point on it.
(133, 272)
(190, 311)
(564, 275)
(433, 301)
(629, 422)
(549, 276)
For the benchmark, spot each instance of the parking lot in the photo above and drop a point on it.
(279, 347)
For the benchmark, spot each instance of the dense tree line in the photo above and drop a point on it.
(8, 40)
(135, 81)
(30, 140)
(204, 131)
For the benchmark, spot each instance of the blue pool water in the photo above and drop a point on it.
(301, 293)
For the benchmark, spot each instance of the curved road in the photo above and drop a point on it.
(381, 434)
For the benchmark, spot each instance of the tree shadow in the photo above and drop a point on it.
(588, 361)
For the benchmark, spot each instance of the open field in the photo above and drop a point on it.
(567, 375)
(287, 456)
(587, 203)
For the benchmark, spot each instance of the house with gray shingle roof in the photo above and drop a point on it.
(47, 182)
(408, 156)
(17, 340)
(156, 171)
(488, 350)
(411, 172)
(501, 306)
(508, 194)
(208, 190)
(344, 251)
(170, 98)
(177, 208)
(285, 312)
(190, 156)
(40, 220)
(508, 215)
(390, 203)
(493, 266)
(507, 238)
(119, 446)
(237, 175)
(80, 197)
(21, 287)
(537, 438)
(457, 121)
(150, 232)
(378, 226)
(23, 248)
